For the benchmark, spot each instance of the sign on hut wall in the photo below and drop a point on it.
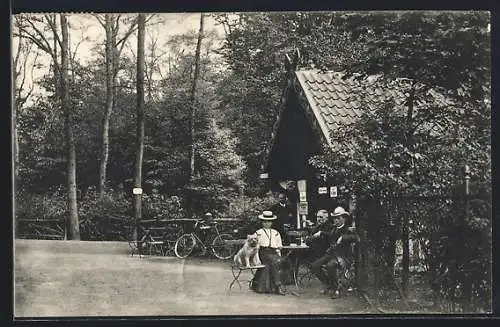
(301, 185)
(303, 208)
(323, 190)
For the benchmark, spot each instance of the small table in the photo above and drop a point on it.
(295, 264)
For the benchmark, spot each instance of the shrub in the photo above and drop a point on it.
(107, 218)
(159, 206)
(246, 209)
(41, 206)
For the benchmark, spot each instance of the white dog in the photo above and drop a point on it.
(249, 253)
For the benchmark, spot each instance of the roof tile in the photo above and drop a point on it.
(342, 101)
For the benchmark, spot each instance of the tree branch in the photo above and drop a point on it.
(116, 27)
(99, 19)
(53, 27)
(32, 75)
(20, 100)
(16, 58)
(25, 63)
(44, 47)
(76, 48)
(131, 30)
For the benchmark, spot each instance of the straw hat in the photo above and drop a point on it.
(267, 215)
(339, 211)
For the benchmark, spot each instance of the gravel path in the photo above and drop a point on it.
(64, 278)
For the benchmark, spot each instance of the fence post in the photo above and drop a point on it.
(466, 282)
(65, 231)
(405, 235)
(467, 180)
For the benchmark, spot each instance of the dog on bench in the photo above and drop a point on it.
(248, 255)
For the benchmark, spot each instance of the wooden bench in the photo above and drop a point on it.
(237, 270)
(41, 236)
(150, 241)
(151, 245)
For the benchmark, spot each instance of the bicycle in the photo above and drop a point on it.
(162, 243)
(146, 244)
(186, 243)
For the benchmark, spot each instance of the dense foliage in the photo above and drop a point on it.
(441, 62)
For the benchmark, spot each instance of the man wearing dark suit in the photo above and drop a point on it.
(285, 215)
(319, 240)
(329, 266)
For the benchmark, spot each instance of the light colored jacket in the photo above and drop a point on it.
(269, 238)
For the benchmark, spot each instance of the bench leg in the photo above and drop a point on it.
(134, 249)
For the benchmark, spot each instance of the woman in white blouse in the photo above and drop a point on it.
(267, 280)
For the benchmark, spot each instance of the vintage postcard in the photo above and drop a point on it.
(328, 163)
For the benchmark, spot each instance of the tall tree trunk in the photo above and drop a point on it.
(405, 228)
(73, 224)
(193, 98)
(140, 120)
(110, 79)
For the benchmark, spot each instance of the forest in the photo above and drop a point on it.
(210, 96)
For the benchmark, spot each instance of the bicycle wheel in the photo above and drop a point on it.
(221, 249)
(184, 246)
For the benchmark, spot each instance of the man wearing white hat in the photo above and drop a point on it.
(267, 280)
(327, 268)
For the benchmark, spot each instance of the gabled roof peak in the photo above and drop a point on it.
(342, 75)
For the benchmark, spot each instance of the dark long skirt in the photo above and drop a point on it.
(268, 279)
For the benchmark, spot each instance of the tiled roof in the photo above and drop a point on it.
(336, 100)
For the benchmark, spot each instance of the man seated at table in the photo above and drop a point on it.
(318, 239)
(329, 266)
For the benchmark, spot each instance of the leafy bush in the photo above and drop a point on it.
(41, 206)
(246, 209)
(91, 206)
(159, 206)
(106, 218)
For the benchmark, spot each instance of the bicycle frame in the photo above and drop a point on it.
(199, 241)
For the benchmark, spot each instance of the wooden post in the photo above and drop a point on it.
(467, 283)
(467, 180)
(406, 250)
(357, 252)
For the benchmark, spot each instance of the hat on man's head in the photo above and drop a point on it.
(267, 215)
(339, 211)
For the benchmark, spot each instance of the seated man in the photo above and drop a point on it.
(330, 265)
(318, 241)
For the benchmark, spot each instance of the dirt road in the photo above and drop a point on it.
(64, 278)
